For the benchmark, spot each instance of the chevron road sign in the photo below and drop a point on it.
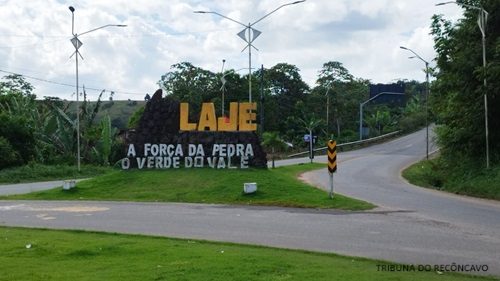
(332, 156)
(332, 162)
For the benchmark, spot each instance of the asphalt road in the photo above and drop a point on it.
(413, 225)
(22, 188)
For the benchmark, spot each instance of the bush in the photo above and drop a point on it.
(348, 136)
(18, 132)
(458, 175)
(9, 156)
(412, 122)
(136, 117)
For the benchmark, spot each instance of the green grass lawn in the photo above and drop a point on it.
(39, 172)
(472, 182)
(276, 187)
(33, 254)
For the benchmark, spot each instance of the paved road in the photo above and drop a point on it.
(412, 225)
(374, 174)
(21, 188)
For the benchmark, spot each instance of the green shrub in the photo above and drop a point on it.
(412, 122)
(134, 119)
(9, 156)
(457, 175)
(18, 131)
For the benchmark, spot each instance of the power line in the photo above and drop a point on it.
(69, 85)
(137, 35)
(144, 34)
(32, 44)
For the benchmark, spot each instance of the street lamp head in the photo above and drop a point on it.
(404, 48)
(297, 2)
(445, 3)
(72, 9)
(121, 25)
(200, 12)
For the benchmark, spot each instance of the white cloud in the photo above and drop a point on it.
(364, 35)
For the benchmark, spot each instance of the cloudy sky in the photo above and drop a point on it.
(364, 35)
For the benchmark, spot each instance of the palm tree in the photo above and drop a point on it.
(273, 141)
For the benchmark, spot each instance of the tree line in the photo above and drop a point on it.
(458, 91)
(287, 104)
(44, 131)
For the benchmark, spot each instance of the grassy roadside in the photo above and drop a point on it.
(459, 180)
(276, 187)
(39, 172)
(35, 254)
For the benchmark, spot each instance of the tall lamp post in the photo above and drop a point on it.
(249, 34)
(426, 98)
(483, 18)
(223, 87)
(77, 44)
(327, 108)
(224, 81)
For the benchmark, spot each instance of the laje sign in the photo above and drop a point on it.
(174, 156)
(241, 118)
(203, 141)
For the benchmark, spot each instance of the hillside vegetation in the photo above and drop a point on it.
(460, 179)
(469, 161)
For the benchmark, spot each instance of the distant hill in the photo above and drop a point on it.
(119, 111)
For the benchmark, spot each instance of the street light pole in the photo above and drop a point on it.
(426, 98)
(252, 35)
(77, 44)
(223, 88)
(483, 18)
(327, 109)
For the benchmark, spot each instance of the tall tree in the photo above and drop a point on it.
(272, 141)
(16, 84)
(287, 95)
(457, 97)
(334, 72)
(17, 107)
(345, 92)
(191, 84)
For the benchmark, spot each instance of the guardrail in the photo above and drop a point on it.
(347, 143)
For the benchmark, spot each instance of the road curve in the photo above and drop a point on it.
(22, 188)
(413, 225)
(374, 174)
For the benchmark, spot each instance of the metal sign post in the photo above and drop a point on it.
(249, 34)
(332, 162)
(311, 152)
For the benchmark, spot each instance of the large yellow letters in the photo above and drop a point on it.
(207, 118)
(184, 119)
(242, 117)
(247, 116)
(226, 124)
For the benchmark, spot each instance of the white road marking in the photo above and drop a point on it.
(69, 209)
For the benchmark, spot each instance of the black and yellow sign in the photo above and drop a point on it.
(332, 156)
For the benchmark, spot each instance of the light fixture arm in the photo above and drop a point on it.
(415, 54)
(268, 14)
(221, 15)
(101, 27)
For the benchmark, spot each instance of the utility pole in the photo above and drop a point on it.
(261, 99)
